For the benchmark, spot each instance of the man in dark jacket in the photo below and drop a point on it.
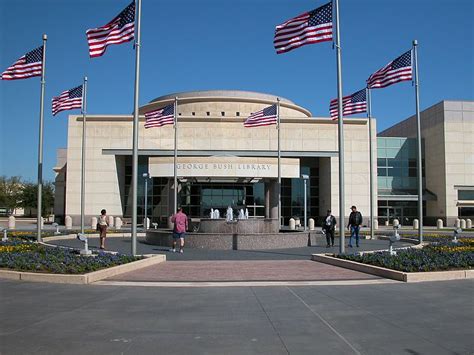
(329, 225)
(355, 220)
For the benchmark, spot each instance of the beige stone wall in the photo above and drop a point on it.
(459, 150)
(357, 169)
(102, 186)
(60, 184)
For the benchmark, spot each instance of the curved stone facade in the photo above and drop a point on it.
(225, 104)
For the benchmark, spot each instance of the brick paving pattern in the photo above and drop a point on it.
(227, 270)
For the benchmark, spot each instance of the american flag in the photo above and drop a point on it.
(397, 70)
(265, 117)
(27, 66)
(68, 100)
(351, 104)
(120, 30)
(160, 117)
(311, 27)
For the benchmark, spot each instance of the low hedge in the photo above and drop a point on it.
(29, 256)
(434, 257)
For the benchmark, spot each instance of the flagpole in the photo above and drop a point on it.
(279, 163)
(418, 136)
(175, 154)
(40, 142)
(341, 133)
(83, 158)
(135, 131)
(371, 160)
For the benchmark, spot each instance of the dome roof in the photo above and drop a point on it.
(235, 94)
(224, 103)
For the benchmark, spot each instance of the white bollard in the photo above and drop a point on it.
(376, 224)
(416, 224)
(463, 224)
(68, 222)
(111, 221)
(94, 223)
(311, 224)
(468, 223)
(439, 224)
(146, 223)
(171, 224)
(297, 222)
(11, 222)
(292, 224)
(458, 223)
(387, 223)
(42, 222)
(118, 223)
(395, 222)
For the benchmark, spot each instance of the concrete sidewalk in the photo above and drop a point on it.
(396, 318)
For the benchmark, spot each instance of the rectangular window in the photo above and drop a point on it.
(381, 172)
(466, 195)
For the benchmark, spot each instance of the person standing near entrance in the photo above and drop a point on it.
(102, 225)
(355, 220)
(329, 226)
(180, 221)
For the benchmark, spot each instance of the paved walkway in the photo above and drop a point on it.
(208, 266)
(122, 244)
(268, 270)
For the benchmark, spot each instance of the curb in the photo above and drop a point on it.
(197, 284)
(93, 235)
(394, 274)
(83, 279)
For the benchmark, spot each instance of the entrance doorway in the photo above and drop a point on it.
(197, 198)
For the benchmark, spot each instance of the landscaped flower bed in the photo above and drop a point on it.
(31, 235)
(434, 257)
(28, 256)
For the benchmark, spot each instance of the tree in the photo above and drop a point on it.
(10, 192)
(30, 193)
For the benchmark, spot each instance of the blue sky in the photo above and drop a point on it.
(215, 44)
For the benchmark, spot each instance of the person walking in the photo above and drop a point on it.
(329, 226)
(180, 221)
(102, 225)
(355, 220)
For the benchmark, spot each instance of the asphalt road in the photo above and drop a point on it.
(394, 318)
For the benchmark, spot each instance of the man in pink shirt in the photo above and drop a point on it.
(180, 221)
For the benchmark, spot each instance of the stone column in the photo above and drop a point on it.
(274, 199)
(172, 207)
(267, 199)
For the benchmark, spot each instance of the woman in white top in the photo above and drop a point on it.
(102, 225)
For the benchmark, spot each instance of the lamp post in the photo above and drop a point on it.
(305, 180)
(146, 176)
